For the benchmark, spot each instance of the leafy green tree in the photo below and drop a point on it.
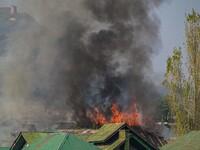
(162, 111)
(184, 86)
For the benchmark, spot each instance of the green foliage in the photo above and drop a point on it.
(163, 112)
(175, 83)
(184, 87)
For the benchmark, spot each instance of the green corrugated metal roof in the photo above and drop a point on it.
(60, 141)
(4, 148)
(105, 132)
(31, 137)
(190, 141)
(83, 136)
(27, 138)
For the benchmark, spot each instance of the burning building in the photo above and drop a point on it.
(116, 136)
(90, 58)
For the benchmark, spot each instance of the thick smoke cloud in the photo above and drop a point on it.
(71, 55)
(116, 57)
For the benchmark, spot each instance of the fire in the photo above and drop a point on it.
(99, 118)
(130, 116)
(116, 115)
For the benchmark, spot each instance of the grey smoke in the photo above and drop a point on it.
(71, 55)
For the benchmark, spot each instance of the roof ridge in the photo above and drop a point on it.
(64, 140)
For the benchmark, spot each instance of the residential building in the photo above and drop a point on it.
(116, 136)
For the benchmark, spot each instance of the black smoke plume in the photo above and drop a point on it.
(68, 56)
(110, 63)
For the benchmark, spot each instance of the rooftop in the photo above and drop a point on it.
(109, 137)
(60, 141)
(185, 142)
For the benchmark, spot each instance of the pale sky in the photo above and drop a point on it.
(172, 29)
(172, 32)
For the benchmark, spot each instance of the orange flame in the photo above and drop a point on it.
(131, 116)
(99, 118)
(116, 116)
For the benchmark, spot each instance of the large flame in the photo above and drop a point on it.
(130, 116)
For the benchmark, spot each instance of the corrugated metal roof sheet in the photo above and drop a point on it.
(105, 132)
(27, 138)
(31, 137)
(101, 136)
(190, 141)
(108, 137)
(48, 142)
(4, 148)
(60, 141)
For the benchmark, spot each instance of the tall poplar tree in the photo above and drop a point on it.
(183, 93)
